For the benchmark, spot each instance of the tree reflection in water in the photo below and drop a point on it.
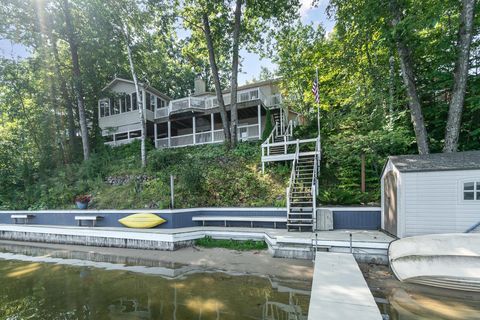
(48, 291)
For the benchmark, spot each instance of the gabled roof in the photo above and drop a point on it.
(147, 87)
(467, 160)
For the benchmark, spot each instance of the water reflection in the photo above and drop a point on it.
(408, 302)
(37, 290)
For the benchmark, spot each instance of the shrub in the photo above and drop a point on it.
(268, 125)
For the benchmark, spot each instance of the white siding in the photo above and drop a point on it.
(433, 202)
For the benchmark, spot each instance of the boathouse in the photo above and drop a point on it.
(434, 193)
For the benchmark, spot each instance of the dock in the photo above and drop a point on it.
(366, 245)
(339, 290)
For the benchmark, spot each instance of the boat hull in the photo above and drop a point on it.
(447, 260)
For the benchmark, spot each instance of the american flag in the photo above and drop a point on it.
(315, 91)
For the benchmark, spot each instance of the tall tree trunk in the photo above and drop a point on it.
(391, 89)
(216, 78)
(234, 83)
(77, 81)
(452, 131)
(63, 92)
(409, 81)
(143, 152)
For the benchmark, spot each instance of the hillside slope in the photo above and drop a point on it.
(205, 176)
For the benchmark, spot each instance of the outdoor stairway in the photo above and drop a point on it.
(301, 194)
(279, 134)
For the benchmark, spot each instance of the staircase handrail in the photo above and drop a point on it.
(314, 188)
(292, 175)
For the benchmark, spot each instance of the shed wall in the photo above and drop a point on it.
(433, 202)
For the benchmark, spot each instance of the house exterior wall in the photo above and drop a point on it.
(432, 202)
(125, 121)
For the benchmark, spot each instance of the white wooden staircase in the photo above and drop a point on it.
(303, 185)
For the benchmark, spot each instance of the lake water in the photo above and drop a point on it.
(76, 289)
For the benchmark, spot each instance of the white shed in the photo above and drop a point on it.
(434, 193)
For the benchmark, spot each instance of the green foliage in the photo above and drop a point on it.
(209, 242)
(207, 175)
(268, 125)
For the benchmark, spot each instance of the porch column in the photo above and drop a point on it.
(155, 134)
(193, 126)
(259, 107)
(212, 125)
(169, 126)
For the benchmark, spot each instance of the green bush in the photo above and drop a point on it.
(268, 125)
(209, 242)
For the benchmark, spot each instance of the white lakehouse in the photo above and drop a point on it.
(192, 120)
(195, 120)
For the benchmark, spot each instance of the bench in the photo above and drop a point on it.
(94, 219)
(25, 217)
(250, 219)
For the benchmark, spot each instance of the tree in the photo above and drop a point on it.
(452, 131)
(409, 81)
(77, 78)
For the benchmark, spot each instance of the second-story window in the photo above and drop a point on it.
(114, 106)
(123, 104)
(104, 109)
(134, 101)
(160, 103)
(151, 102)
(128, 100)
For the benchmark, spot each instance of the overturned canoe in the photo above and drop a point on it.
(449, 261)
(142, 220)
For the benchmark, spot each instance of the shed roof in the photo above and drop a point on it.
(467, 160)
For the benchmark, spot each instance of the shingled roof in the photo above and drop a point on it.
(468, 160)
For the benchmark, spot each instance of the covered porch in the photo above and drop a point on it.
(205, 128)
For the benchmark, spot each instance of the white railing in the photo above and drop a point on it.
(117, 143)
(292, 177)
(186, 103)
(161, 143)
(212, 102)
(251, 132)
(247, 132)
(161, 113)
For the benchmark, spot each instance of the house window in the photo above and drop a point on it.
(134, 101)
(151, 102)
(114, 106)
(121, 136)
(104, 109)
(135, 134)
(160, 103)
(128, 102)
(471, 191)
(123, 104)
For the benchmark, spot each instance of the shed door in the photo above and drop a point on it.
(390, 198)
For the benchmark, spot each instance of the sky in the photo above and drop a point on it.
(251, 62)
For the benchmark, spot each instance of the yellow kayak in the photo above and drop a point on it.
(142, 220)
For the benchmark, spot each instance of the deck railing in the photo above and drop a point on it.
(245, 132)
(210, 102)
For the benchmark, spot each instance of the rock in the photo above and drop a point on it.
(121, 180)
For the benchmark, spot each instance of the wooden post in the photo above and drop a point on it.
(363, 173)
(172, 196)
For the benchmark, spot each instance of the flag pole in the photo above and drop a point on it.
(318, 102)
